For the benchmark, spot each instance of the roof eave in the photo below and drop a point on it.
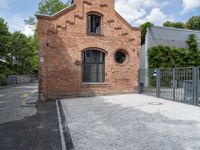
(56, 15)
(126, 22)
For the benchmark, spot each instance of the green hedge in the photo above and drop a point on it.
(170, 57)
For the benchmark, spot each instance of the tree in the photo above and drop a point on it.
(143, 28)
(194, 23)
(4, 46)
(50, 7)
(22, 54)
(30, 21)
(180, 25)
(193, 53)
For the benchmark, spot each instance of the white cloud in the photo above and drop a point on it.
(129, 10)
(28, 30)
(136, 11)
(156, 16)
(16, 23)
(154, 3)
(189, 5)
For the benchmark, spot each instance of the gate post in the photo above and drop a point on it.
(194, 88)
(158, 83)
(140, 81)
(173, 83)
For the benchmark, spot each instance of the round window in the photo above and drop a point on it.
(120, 56)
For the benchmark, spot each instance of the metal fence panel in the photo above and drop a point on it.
(166, 83)
(198, 85)
(177, 84)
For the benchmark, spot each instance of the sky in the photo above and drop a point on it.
(135, 12)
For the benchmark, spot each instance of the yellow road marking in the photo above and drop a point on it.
(24, 95)
(1, 95)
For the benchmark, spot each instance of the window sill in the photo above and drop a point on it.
(94, 83)
(94, 34)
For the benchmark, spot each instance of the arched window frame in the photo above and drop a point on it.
(93, 71)
(89, 32)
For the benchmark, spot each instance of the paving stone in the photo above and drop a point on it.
(131, 122)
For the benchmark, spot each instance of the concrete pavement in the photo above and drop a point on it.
(132, 122)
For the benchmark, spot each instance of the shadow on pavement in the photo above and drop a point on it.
(38, 132)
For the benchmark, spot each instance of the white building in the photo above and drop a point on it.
(165, 36)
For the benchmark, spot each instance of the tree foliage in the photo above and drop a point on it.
(24, 56)
(50, 7)
(167, 57)
(193, 53)
(193, 23)
(143, 28)
(4, 43)
(180, 25)
(18, 54)
(30, 21)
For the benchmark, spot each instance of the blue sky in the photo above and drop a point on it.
(134, 11)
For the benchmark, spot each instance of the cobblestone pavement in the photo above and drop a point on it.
(132, 122)
(16, 102)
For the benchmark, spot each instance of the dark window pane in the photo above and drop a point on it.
(87, 57)
(94, 23)
(95, 56)
(101, 72)
(97, 24)
(120, 57)
(101, 57)
(93, 66)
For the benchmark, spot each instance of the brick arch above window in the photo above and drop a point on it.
(95, 13)
(95, 49)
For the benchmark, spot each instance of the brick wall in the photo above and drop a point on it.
(62, 39)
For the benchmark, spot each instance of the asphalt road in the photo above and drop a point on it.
(24, 126)
(17, 102)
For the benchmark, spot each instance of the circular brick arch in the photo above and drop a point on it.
(95, 48)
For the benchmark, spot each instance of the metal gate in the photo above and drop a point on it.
(177, 84)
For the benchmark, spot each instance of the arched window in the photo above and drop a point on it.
(93, 66)
(94, 23)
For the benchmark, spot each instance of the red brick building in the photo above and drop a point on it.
(87, 49)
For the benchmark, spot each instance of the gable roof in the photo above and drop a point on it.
(169, 33)
(126, 22)
(72, 6)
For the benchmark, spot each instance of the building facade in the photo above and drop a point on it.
(166, 36)
(87, 49)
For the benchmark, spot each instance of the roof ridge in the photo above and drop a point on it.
(177, 29)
